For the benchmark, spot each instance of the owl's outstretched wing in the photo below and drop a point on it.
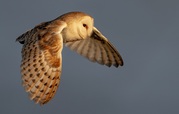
(97, 49)
(41, 61)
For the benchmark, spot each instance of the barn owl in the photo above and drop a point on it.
(41, 64)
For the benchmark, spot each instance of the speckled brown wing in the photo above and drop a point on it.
(97, 49)
(41, 61)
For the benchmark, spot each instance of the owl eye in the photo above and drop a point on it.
(85, 25)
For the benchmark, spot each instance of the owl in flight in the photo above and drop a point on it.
(41, 63)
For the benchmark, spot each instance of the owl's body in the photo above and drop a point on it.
(42, 52)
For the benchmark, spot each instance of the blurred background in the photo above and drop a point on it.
(145, 32)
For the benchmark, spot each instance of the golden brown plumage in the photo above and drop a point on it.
(42, 46)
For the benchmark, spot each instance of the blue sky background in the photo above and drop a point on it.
(145, 32)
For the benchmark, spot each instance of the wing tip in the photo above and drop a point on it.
(121, 63)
